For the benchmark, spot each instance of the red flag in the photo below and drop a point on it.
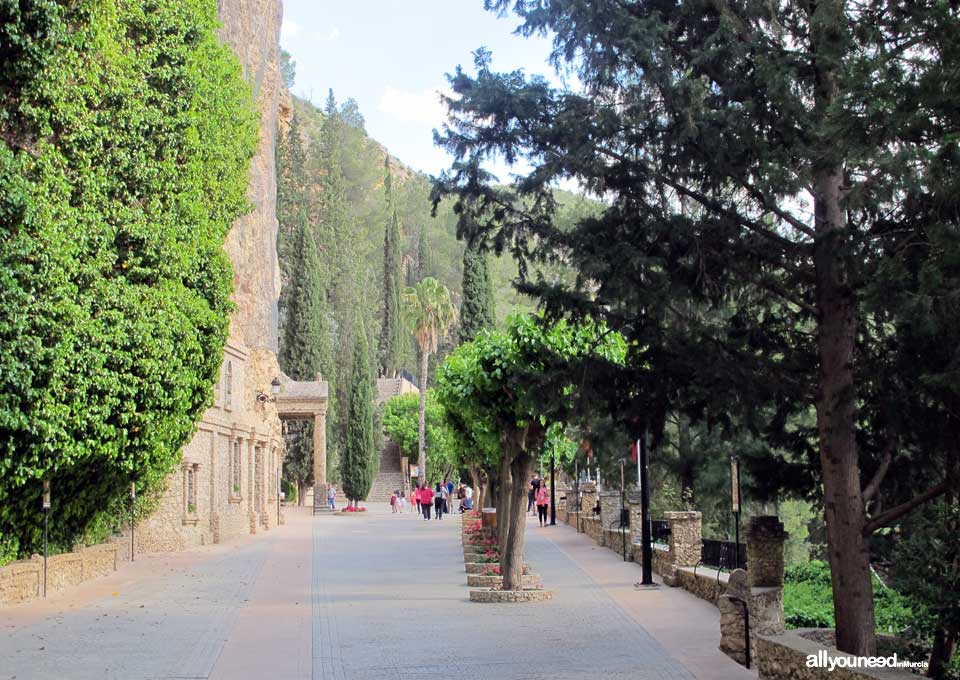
(634, 452)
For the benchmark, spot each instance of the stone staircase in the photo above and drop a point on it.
(390, 477)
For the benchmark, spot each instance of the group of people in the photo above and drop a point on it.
(538, 495)
(437, 499)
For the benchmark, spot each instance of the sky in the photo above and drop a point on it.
(391, 57)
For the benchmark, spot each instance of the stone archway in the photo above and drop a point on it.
(306, 400)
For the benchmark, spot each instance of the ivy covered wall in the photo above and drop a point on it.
(126, 132)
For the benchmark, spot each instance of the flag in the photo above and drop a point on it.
(634, 451)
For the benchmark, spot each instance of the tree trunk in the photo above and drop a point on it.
(944, 647)
(836, 415)
(844, 510)
(422, 425)
(505, 501)
(511, 556)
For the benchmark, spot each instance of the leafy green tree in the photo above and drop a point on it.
(752, 154)
(429, 313)
(520, 382)
(401, 422)
(358, 462)
(477, 311)
(298, 460)
(391, 331)
(119, 180)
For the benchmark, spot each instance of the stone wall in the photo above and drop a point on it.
(23, 581)
(702, 582)
(784, 657)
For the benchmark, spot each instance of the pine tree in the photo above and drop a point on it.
(357, 462)
(391, 330)
(758, 152)
(423, 257)
(477, 309)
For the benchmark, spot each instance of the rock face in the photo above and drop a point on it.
(252, 29)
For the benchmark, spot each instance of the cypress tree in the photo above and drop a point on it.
(391, 331)
(477, 309)
(357, 462)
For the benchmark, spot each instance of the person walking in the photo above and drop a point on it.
(543, 501)
(449, 497)
(403, 502)
(416, 497)
(439, 500)
(532, 492)
(394, 500)
(426, 500)
(332, 496)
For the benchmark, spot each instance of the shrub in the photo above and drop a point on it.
(808, 600)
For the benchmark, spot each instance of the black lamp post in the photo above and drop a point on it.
(645, 514)
(46, 517)
(735, 505)
(553, 495)
(133, 510)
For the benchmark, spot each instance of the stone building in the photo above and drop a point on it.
(227, 483)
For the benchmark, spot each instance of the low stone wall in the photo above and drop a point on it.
(785, 657)
(618, 542)
(703, 584)
(23, 581)
(592, 528)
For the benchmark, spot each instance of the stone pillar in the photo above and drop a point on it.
(685, 537)
(732, 605)
(610, 509)
(765, 539)
(588, 498)
(320, 458)
(765, 565)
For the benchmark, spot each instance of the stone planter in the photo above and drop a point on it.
(478, 567)
(530, 581)
(503, 596)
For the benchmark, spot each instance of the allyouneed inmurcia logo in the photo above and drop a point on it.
(823, 660)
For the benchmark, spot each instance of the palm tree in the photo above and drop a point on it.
(429, 313)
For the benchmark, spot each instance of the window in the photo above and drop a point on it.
(235, 471)
(190, 481)
(258, 477)
(228, 387)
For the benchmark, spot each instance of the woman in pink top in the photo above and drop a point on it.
(426, 500)
(543, 501)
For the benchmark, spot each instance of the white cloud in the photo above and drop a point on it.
(334, 34)
(288, 29)
(418, 107)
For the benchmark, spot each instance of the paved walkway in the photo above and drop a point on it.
(371, 597)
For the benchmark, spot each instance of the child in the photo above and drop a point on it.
(393, 503)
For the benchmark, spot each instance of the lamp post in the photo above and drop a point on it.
(279, 486)
(46, 517)
(735, 505)
(553, 495)
(133, 509)
(645, 514)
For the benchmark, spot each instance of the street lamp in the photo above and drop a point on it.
(133, 511)
(46, 517)
(262, 397)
